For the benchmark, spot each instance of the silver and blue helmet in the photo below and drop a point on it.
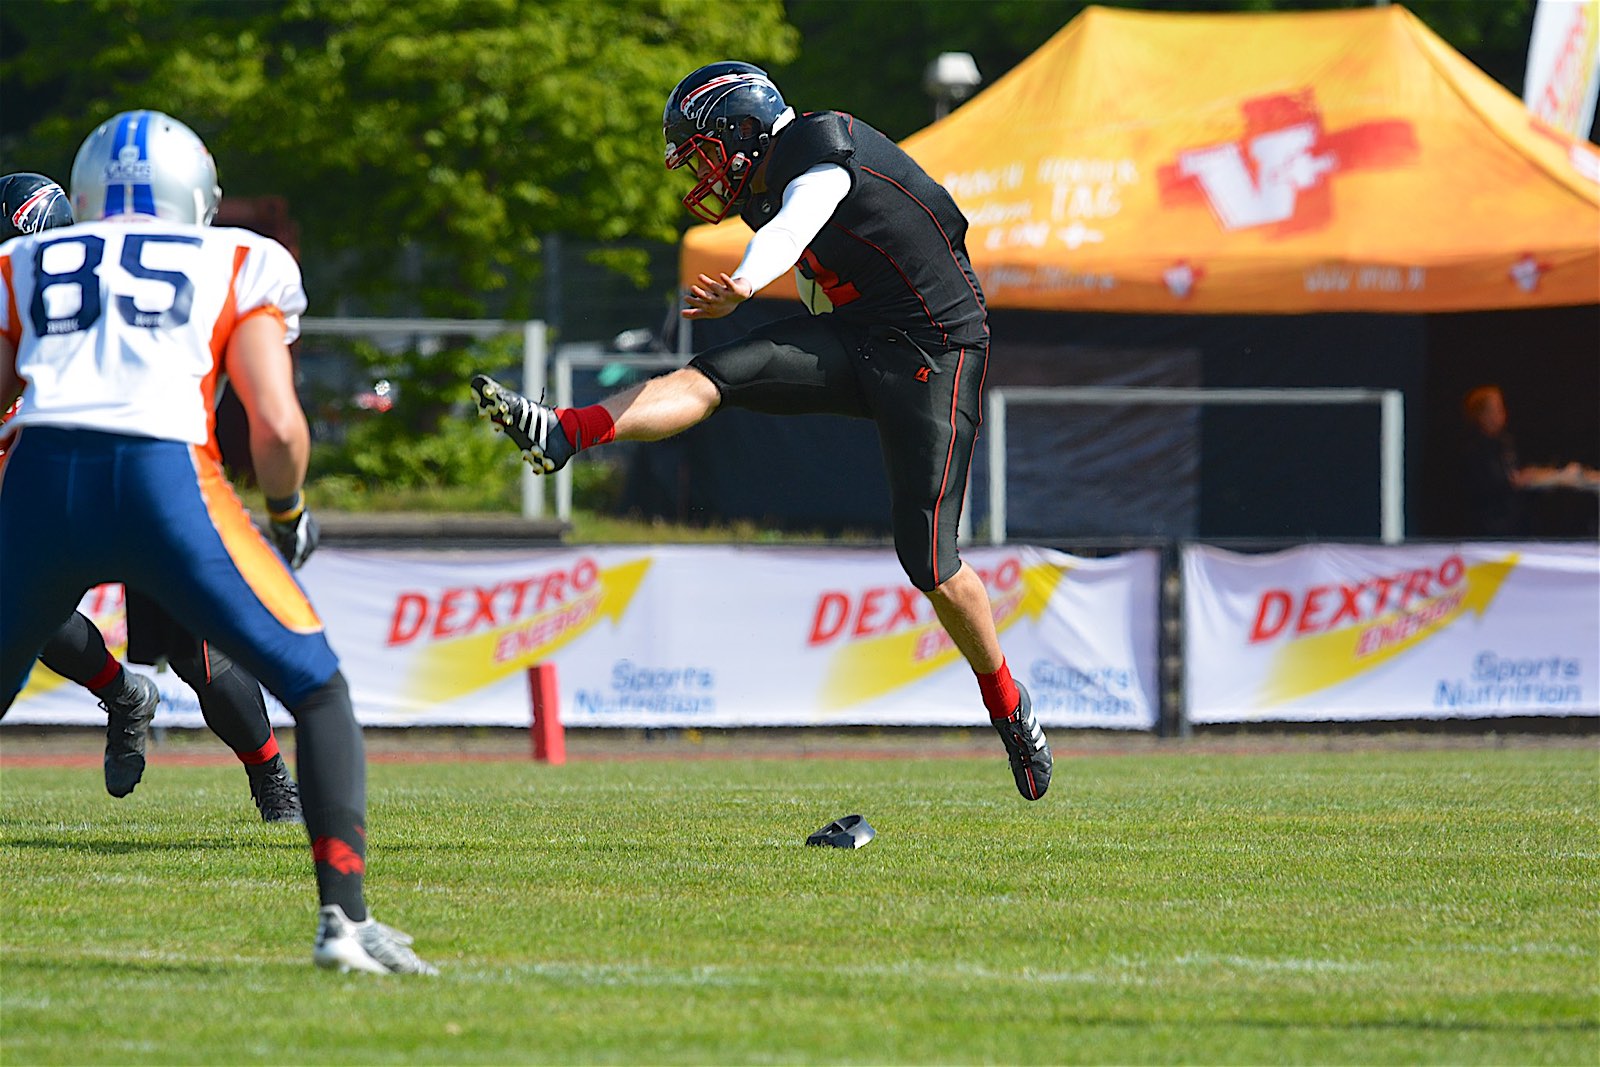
(144, 163)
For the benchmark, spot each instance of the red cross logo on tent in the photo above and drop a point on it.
(1181, 278)
(1527, 271)
(1278, 173)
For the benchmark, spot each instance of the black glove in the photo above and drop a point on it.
(295, 538)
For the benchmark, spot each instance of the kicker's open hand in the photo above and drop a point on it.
(712, 298)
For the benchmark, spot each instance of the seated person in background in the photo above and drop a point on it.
(1491, 474)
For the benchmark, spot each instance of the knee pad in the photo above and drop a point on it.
(195, 662)
(918, 565)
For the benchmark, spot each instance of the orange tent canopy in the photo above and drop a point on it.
(1325, 161)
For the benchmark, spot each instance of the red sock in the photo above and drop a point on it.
(108, 674)
(1000, 694)
(588, 426)
(262, 754)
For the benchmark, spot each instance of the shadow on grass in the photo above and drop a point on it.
(1508, 1026)
(99, 966)
(124, 848)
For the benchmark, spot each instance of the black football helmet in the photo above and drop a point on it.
(30, 203)
(720, 120)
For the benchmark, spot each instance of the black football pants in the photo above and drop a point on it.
(925, 400)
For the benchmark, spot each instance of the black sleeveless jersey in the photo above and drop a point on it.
(894, 253)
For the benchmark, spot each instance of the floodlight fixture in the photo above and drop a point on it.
(951, 78)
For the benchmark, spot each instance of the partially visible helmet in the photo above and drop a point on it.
(30, 203)
(720, 120)
(144, 163)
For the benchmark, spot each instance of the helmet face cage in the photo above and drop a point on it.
(721, 181)
(30, 203)
(720, 120)
(145, 163)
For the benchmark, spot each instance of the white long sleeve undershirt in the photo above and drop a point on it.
(808, 204)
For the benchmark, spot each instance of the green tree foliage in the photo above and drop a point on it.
(448, 136)
(420, 445)
(426, 147)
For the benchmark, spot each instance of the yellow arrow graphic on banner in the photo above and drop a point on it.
(874, 666)
(449, 669)
(1312, 664)
(43, 680)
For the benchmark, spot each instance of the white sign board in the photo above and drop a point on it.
(699, 636)
(1435, 631)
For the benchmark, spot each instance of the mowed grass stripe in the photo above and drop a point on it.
(1376, 906)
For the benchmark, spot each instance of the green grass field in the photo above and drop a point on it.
(1377, 906)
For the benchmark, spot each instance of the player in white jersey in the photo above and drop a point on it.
(115, 331)
(230, 700)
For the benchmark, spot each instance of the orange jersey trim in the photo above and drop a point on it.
(267, 309)
(220, 333)
(258, 562)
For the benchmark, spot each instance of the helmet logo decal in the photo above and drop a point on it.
(128, 167)
(30, 203)
(30, 216)
(699, 101)
(131, 172)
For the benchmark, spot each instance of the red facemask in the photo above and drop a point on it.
(719, 181)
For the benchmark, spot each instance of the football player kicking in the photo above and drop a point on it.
(230, 700)
(882, 246)
(114, 331)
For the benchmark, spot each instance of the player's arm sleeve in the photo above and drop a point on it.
(808, 203)
(269, 283)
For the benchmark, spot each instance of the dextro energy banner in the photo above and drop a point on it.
(689, 636)
(1439, 631)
